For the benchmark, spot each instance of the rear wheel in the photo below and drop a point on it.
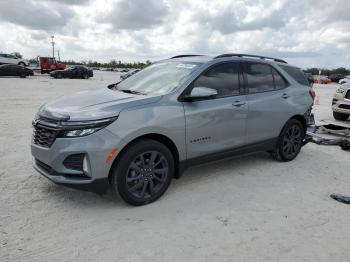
(59, 75)
(289, 141)
(340, 116)
(22, 75)
(143, 173)
(85, 76)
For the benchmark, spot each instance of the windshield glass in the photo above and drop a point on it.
(159, 78)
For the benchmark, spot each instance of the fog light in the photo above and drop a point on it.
(86, 166)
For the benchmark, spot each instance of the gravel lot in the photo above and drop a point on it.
(243, 209)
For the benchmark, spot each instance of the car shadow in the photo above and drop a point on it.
(201, 173)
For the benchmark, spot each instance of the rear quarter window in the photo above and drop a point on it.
(296, 74)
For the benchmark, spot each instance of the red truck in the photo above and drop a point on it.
(48, 64)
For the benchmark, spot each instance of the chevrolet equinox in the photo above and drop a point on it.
(138, 134)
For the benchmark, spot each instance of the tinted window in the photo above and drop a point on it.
(223, 78)
(297, 74)
(280, 83)
(259, 78)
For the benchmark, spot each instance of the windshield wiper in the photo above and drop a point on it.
(131, 92)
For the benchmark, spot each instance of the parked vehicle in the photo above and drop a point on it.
(341, 103)
(130, 73)
(175, 113)
(12, 59)
(15, 70)
(336, 77)
(73, 72)
(48, 64)
(345, 80)
(321, 79)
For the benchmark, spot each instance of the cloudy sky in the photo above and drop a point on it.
(307, 33)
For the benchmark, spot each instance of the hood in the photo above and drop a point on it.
(92, 105)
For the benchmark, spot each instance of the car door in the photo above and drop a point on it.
(269, 103)
(218, 124)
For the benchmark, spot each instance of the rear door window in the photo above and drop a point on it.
(280, 82)
(259, 77)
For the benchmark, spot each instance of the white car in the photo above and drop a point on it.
(345, 80)
(341, 103)
(12, 59)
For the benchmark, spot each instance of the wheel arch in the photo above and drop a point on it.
(153, 136)
(301, 119)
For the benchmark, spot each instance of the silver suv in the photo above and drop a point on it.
(341, 103)
(138, 134)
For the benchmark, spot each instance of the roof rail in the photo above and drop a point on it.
(254, 56)
(179, 56)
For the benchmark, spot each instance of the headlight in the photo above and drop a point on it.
(81, 132)
(84, 128)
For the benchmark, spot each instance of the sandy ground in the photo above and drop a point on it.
(244, 209)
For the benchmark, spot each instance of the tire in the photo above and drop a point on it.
(289, 141)
(143, 172)
(85, 76)
(59, 75)
(22, 75)
(340, 116)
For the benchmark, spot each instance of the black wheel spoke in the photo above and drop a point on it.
(147, 174)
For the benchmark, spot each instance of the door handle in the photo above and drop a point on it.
(238, 103)
(285, 96)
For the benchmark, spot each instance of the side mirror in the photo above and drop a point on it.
(112, 86)
(201, 93)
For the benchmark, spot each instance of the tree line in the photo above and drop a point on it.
(111, 64)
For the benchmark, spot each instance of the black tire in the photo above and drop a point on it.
(289, 141)
(22, 75)
(85, 76)
(340, 116)
(146, 166)
(59, 75)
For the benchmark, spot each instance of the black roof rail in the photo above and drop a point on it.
(254, 56)
(179, 56)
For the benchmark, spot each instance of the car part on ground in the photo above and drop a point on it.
(81, 72)
(341, 198)
(15, 70)
(173, 114)
(341, 103)
(337, 135)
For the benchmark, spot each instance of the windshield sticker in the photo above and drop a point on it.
(187, 66)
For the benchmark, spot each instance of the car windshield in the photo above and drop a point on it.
(159, 78)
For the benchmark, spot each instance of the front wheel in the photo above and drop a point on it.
(289, 141)
(143, 173)
(340, 116)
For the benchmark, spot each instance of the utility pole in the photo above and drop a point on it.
(58, 54)
(53, 46)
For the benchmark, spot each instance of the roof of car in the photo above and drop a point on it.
(228, 57)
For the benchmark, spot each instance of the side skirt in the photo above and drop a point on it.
(256, 147)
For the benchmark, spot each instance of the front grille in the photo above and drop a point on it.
(347, 96)
(344, 106)
(74, 162)
(44, 136)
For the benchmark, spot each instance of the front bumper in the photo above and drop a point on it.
(48, 161)
(341, 105)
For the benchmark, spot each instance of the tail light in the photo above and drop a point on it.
(312, 94)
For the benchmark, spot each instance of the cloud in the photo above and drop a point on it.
(136, 14)
(35, 14)
(304, 32)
